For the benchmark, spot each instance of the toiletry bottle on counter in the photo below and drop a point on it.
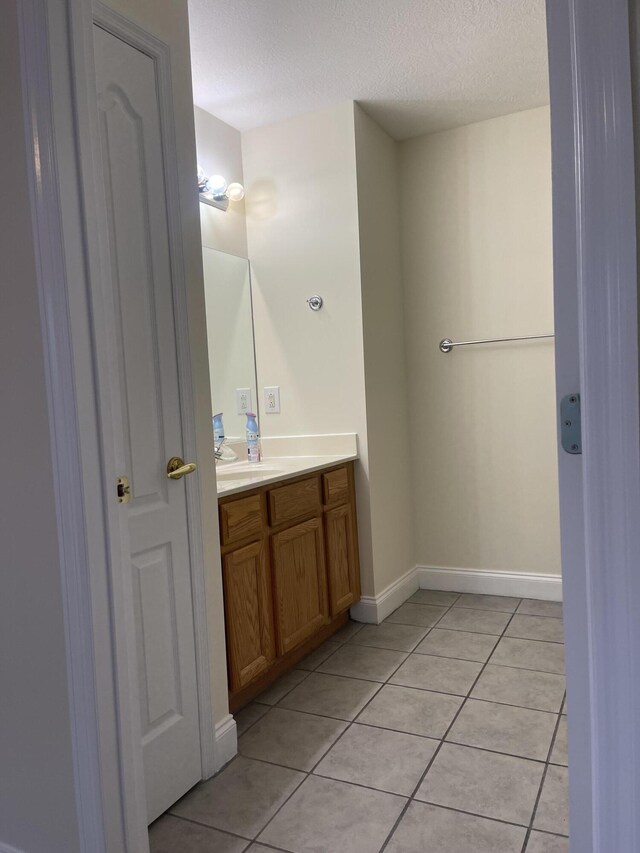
(253, 438)
(218, 430)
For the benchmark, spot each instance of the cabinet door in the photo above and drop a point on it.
(342, 562)
(248, 612)
(300, 583)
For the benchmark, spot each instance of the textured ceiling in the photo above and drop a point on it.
(416, 66)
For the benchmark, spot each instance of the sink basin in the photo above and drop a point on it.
(247, 472)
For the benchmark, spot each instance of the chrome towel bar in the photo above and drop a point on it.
(446, 344)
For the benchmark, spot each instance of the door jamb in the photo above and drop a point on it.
(595, 268)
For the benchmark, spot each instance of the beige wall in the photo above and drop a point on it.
(169, 22)
(302, 230)
(476, 243)
(220, 153)
(384, 355)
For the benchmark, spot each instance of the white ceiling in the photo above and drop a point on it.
(417, 66)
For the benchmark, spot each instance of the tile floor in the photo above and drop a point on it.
(440, 731)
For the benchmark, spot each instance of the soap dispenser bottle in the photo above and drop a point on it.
(253, 439)
(218, 431)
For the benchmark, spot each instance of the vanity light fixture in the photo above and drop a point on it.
(217, 192)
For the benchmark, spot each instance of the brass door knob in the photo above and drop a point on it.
(177, 468)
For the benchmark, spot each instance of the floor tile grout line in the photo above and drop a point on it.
(464, 697)
(331, 747)
(479, 633)
(438, 740)
(205, 825)
(436, 753)
(309, 773)
(474, 814)
(543, 780)
(429, 630)
(355, 720)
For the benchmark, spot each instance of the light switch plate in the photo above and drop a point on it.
(272, 400)
(243, 401)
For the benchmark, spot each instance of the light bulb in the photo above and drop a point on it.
(235, 192)
(218, 185)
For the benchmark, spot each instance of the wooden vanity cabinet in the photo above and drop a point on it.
(290, 573)
(248, 613)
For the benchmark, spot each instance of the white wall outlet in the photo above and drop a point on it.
(272, 400)
(243, 401)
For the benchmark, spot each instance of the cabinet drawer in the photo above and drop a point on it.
(335, 487)
(241, 519)
(287, 503)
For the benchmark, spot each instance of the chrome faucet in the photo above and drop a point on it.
(222, 452)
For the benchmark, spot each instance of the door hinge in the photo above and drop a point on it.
(123, 490)
(571, 423)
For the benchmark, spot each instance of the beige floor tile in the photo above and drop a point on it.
(534, 607)
(560, 752)
(488, 602)
(248, 715)
(406, 709)
(347, 632)
(552, 814)
(529, 654)
(430, 829)
(516, 731)
(330, 696)
(422, 615)
(540, 842)
(435, 597)
(325, 815)
(319, 655)
(390, 635)
(353, 661)
(457, 644)
(290, 738)
(378, 758)
(484, 783)
(272, 695)
(172, 834)
(544, 628)
(542, 691)
(478, 621)
(443, 675)
(242, 798)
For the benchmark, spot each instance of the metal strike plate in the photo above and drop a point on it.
(123, 488)
(571, 423)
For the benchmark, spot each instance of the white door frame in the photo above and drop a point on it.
(597, 333)
(65, 187)
(595, 263)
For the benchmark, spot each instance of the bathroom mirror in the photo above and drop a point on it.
(232, 364)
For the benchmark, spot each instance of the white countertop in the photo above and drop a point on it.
(235, 477)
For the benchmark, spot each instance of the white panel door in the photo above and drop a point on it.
(147, 415)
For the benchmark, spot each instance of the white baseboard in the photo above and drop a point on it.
(517, 584)
(375, 609)
(226, 742)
